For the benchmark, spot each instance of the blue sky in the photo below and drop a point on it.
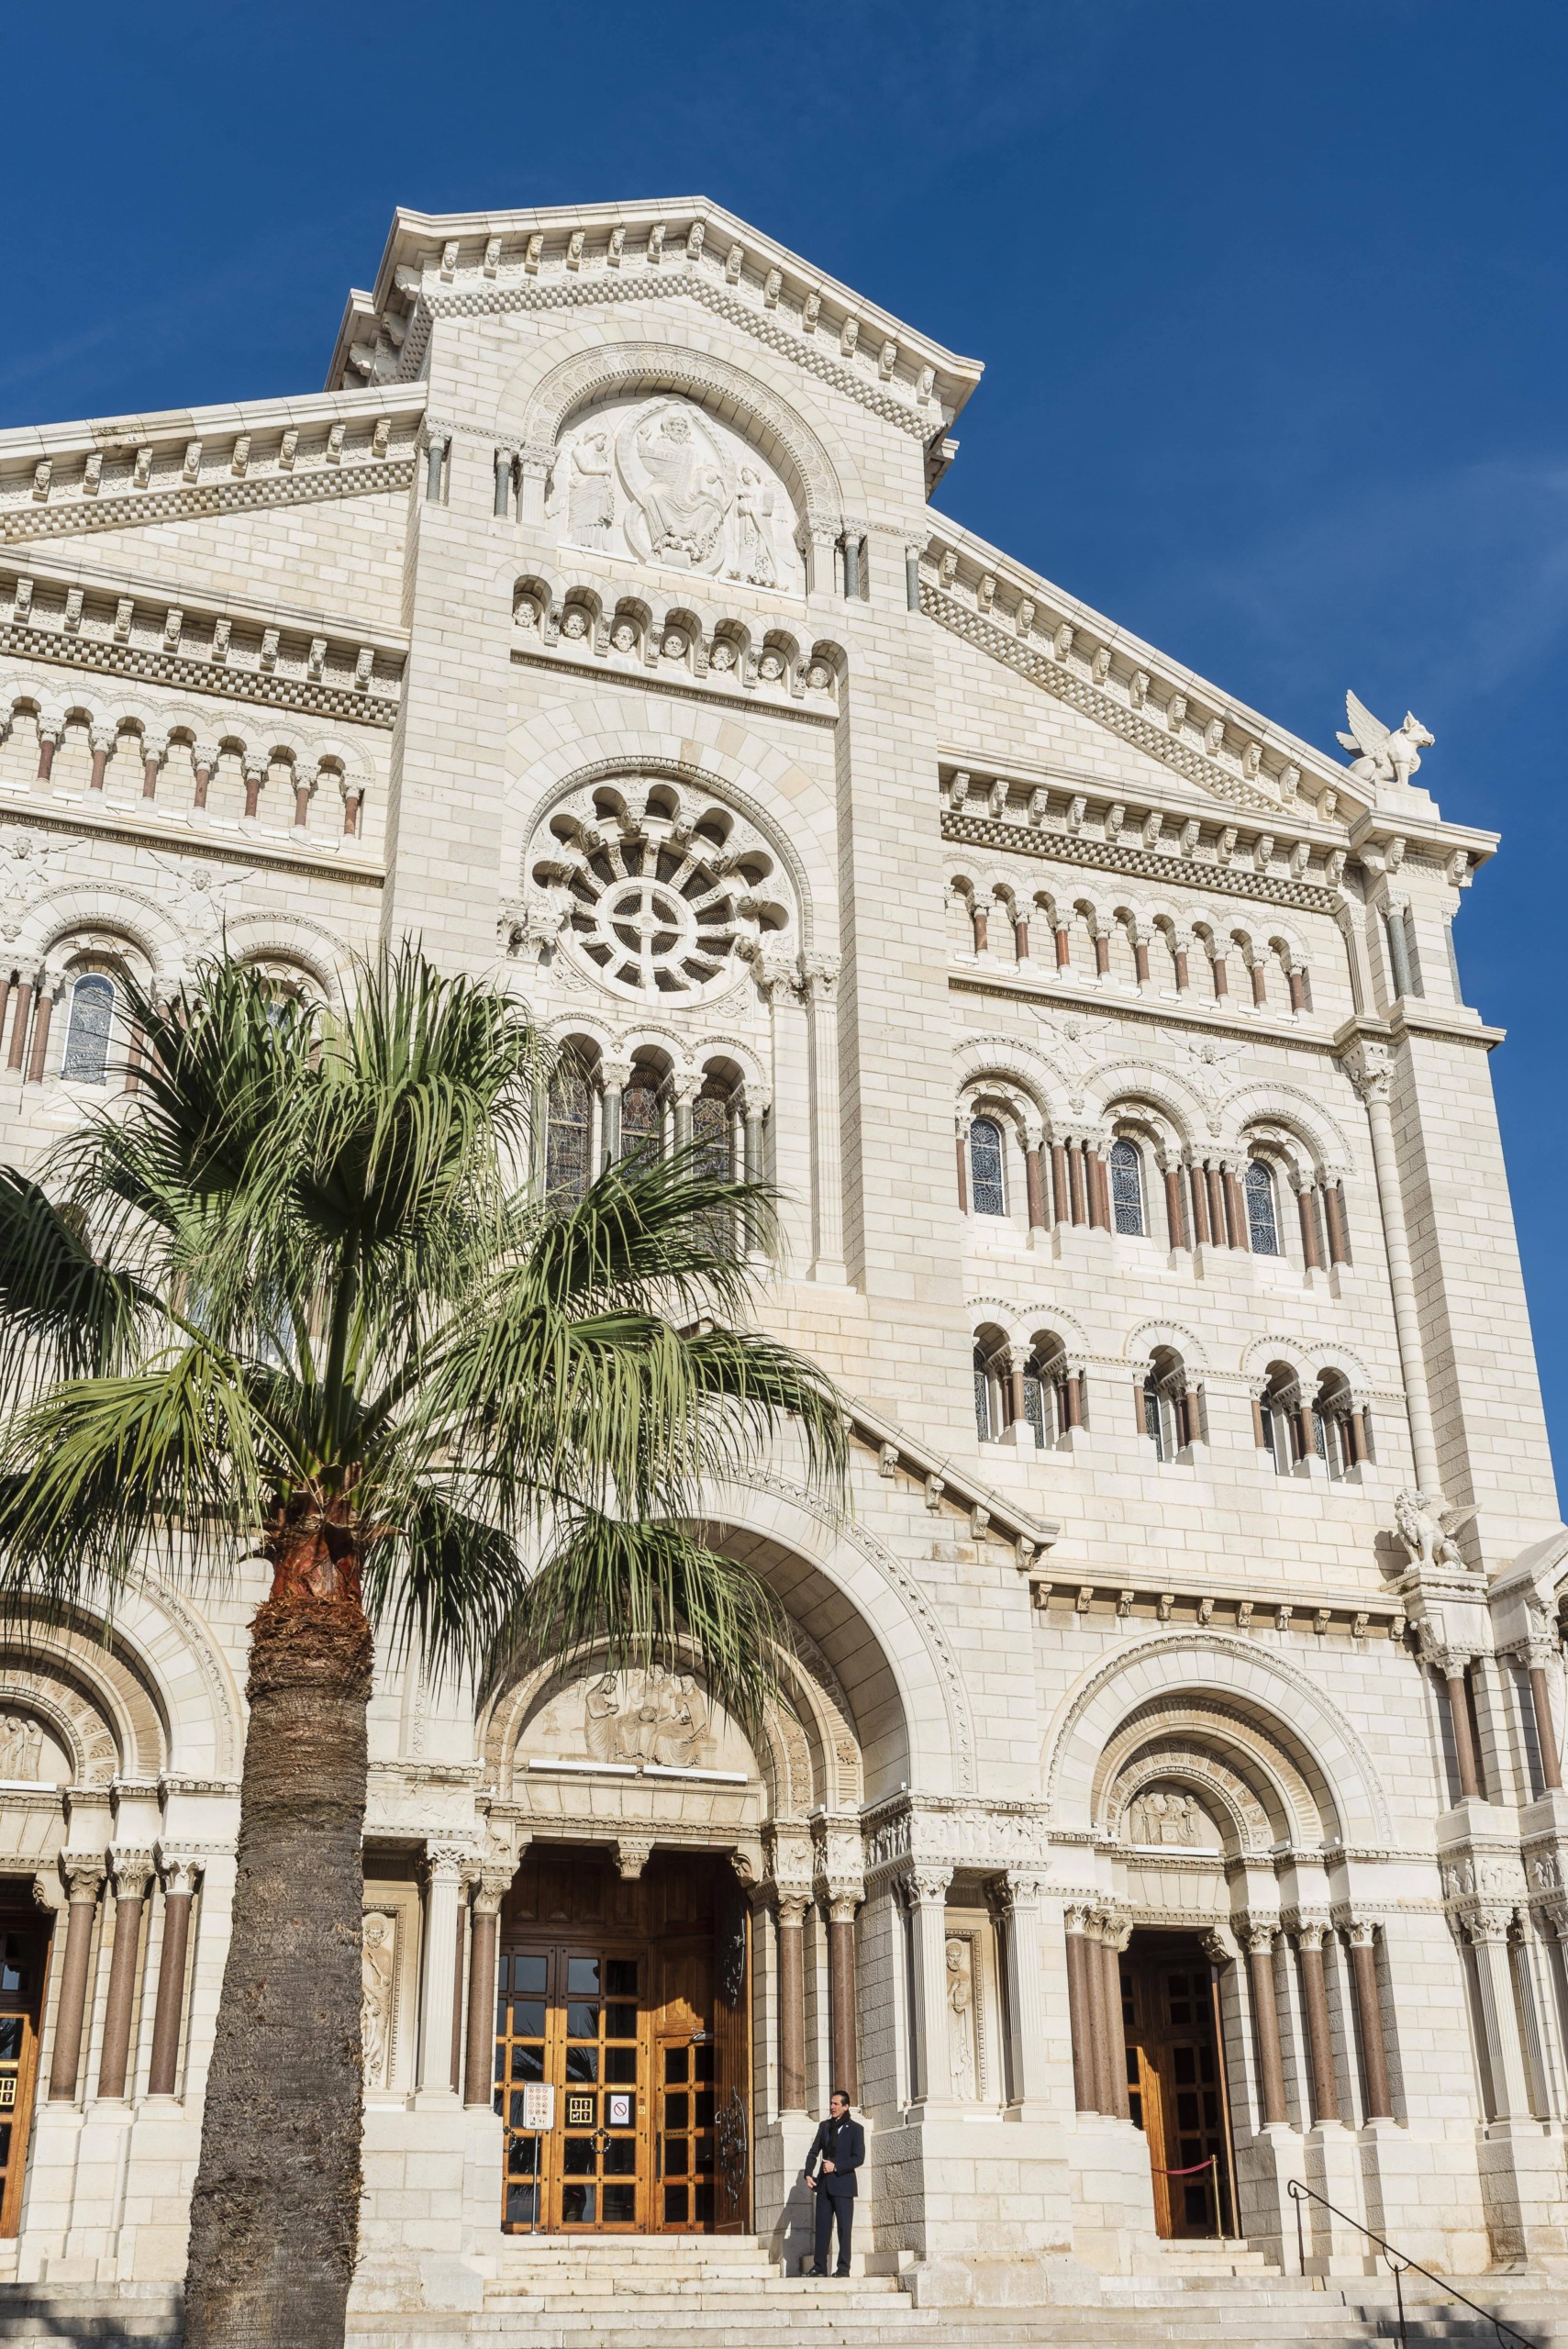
(1271, 299)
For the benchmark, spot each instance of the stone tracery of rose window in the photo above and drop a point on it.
(661, 900)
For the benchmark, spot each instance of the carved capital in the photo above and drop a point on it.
(632, 1855)
(182, 1872)
(924, 1887)
(820, 977)
(1370, 1069)
(131, 1866)
(447, 1863)
(843, 1902)
(790, 1901)
(84, 1876)
(1487, 1921)
(1360, 1933)
(1258, 1935)
(491, 1889)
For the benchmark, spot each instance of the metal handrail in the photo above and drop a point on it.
(1400, 2263)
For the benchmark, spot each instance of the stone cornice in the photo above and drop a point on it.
(108, 581)
(75, 511)
(1156, 703)
(1186, 1602)
(1164, 1012)
(224, 422)
(1148, 864)
(562, 255)
(86, 618)
(176, 833)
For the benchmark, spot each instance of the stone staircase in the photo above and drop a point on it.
(728, 2293)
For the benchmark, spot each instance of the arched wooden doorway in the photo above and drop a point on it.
(628, 2002)
(1176, 2080)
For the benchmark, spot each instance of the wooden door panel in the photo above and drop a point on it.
(623, 2029)
(1176, 2084)
(24, 1959)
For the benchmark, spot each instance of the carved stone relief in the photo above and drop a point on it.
(378, 1988)
(963, 2050)
(642, 1718)
(664, 481)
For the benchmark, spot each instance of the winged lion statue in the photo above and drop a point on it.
(1387, 754)
(1427, 1527)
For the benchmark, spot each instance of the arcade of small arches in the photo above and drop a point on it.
(1142, 947)
(1107, 1176)
(207, 768)
(647, 1100)
(686, 637)
(1032, 1389)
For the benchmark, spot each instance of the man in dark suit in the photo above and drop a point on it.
(837, 2152)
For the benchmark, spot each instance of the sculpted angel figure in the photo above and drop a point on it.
(1426, 1528)
(1388, 754)
(590, 496)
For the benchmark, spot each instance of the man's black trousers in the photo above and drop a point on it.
(828, 2208)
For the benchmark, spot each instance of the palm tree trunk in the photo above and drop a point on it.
(274, 2218)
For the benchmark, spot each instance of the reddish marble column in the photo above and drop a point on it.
(85, 1879)
(180, 1880)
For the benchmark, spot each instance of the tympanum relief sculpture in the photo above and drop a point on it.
(1165, 1815)
(661, 481)
(645, 1717)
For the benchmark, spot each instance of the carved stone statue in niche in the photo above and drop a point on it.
(651, 1716)
(961, 2018)
(1161, 1814)
(21, 1747)
(379, 1946)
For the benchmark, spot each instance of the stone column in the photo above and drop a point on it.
(1213, 1178)
(1061, 1209)
(1015, 1905)
(791, 1908)
(924, 1891)
(1488, 1929)
(1235, 1208)
(1116, 1936)
(1319, 2045)
(820, 974)
(1369, 2016)
(1260, 1940)
(1537, 1657)
(1334, 1216)
(445, 1865)
(842, 2007)
(1034, 1185)
(1197, 1189)
(132, 1873)
(614, 1077)
(963, 1145)
(36, 1059)
(1099, 2032)
(84, 1881)
(1306, 1209)
(255, 776)
(203, 759)
(479, 2062)
(1175, 1220)
(181, 1876)
(1371, 1076)
(1080, 2021)
(102, 742)
(1454, 1664)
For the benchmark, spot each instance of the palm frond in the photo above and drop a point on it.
(64, 1312)
(99, 1470)
(657, 1231)
(640, 1593)
(443, 1581)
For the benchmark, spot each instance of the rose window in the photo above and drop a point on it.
(653, 918)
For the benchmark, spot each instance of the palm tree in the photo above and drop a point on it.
(291, 1298)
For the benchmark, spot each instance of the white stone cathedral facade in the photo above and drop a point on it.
(1165, 1800)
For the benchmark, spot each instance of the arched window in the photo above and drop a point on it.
(713, 1134)
(986, 1416)
(1280, 1423)
(1263, 1224)
(1173, 1408)
(1127, 1188)
(987, 1191)
(641, 1115)
(569, 1134)
(86, 1057)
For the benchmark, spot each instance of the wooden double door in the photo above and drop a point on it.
(1176, 2080)
(623, 2047)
